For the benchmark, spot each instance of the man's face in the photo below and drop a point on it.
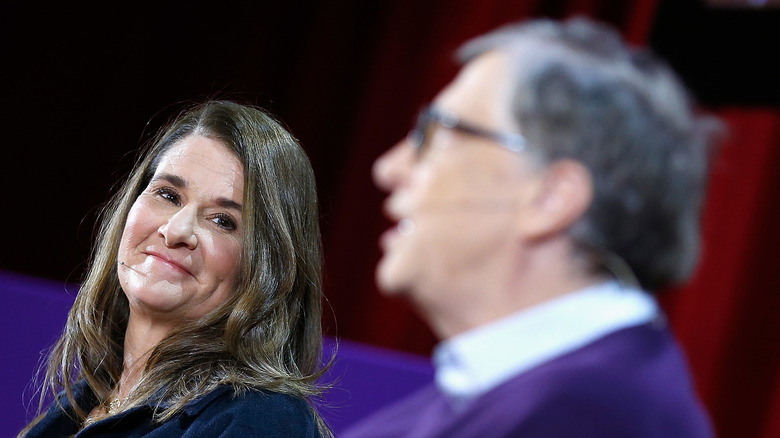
(456, 204)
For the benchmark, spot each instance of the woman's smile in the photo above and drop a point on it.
(182, 239)
(159, 259)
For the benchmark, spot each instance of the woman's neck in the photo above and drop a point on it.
(141, 337)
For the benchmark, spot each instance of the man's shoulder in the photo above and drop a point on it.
(635, 377)
(619, 351)
(610, 387)
(634, 362)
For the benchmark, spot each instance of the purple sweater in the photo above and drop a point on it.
(631, 383)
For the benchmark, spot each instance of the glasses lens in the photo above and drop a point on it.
(422, 130)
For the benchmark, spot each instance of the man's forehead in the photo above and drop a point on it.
(482, 90)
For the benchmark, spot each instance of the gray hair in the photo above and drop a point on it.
(625, 115)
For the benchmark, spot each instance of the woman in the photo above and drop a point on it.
(200, 313)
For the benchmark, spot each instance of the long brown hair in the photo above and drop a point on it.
(266, 335)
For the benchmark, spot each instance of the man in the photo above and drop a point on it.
(540, 198)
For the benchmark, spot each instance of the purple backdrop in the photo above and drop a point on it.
(363, 377)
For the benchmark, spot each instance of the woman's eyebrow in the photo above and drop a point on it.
(174, 180)
(229, 203)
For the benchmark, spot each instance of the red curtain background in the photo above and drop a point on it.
(727, 318)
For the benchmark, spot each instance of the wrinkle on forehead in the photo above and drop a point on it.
(482, 92)
(229, 172)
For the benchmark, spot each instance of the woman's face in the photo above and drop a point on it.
(182, 241)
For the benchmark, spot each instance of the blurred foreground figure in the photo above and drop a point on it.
(541, 199)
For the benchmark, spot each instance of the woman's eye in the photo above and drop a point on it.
(169, 195)
(224, 221)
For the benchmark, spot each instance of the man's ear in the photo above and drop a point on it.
(559, 198)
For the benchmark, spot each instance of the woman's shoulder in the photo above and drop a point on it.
(251, 412)
(248, 400)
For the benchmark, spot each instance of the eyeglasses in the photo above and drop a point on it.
(420, 135)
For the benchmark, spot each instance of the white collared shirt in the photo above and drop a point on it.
(473, 362)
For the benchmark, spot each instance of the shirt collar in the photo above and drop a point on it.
(473, 362)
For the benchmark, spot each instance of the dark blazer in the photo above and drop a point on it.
(220, 413)
(631, 383)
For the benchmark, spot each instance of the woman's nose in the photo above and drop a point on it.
(180, 229)
(391, 167)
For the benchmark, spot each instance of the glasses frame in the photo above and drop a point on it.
(419, 136)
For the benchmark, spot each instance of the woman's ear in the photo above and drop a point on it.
(559, 198)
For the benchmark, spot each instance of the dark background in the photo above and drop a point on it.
(84, 86)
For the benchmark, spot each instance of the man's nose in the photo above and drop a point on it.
(390, 169)
(180, 229)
